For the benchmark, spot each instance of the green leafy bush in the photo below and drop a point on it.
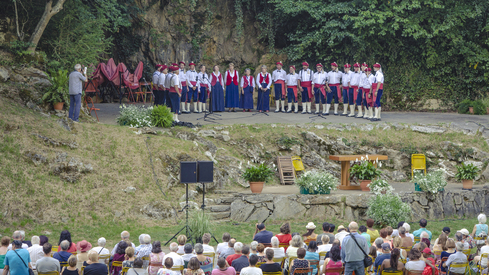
(388, 209)
(463, 107)
(432, 182)
(466, 171)
(317, 182)
(365, 171)
(58, 92)
(134, 116)
(286, 143)
(379, 185)
(260, 173)
(479, 108)
(485, 101)
(161, 116)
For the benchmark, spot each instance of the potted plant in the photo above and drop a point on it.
(380, 186)
(467, 173)
(257, 176)
(316, 183)
(57, 94)
(433, 182)
(365, 171)
(199, 224)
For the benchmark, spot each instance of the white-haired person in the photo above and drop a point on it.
(35, 251)
(144, 249)
(76, 80)
(326, 246)
(206, 239)
(457, 257)
(278, 252)
(295, 244)
(17, 235)
(176, 259)
(124, 237)
(238, 246)
(481, 229)
(263, 82)
(253, 246)
(95, 268)
(101, 250)
(246, 88)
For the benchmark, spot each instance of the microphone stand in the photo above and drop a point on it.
(209, 112)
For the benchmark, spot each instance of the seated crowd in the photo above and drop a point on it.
(391, 250)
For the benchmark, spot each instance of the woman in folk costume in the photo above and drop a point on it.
(247, 87)
(334, 77)
(363, 76)
(320, 81)
(291, 80)
(347, 91)
(305, 86)
(232, 91)
(193, 89)
(357, 93)
(278, 77)
(217, 95)
(183, 80)
(367, 90)
(378, 89)
(204, 85)
(263, 81)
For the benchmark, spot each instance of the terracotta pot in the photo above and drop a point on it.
(363, 185)
(471, 110)
(256, 187)
(383, 192)
(487, 110)
(467, 184)
(58, 105)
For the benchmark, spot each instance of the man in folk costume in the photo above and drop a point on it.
(347, 91)
(203, 83)
(183, 80)
(247, 87)
(156, 91)
(320, 81)
(357, 93)
(263, 81)
(193, 91)
(367, 89)
(278, 77)
(334, 77)
(166, 93)
(378, 89)
(291, 80)
(363, 76)
(161, 85)
(305, 86)
(174, 91)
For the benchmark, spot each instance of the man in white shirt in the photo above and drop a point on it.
(124, 237)
(291, 81)
(183, 80)
(193, 90)
(17, 236)
(304, 82)
(334, 77)
(101, 250)
(206, 239)
(347, 91)
(458, 257)
(408, 227)
(320, 80)
(342, 232)
(35, 251)
(224, 245)
(177, 259)
(252, 269)
(357, 93)
(278, 77)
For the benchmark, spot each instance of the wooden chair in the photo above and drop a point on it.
(399, 272)
(124, 270)
(48, 273)
(177, 268)
(302, 271)
(147, 88)
(340, 270)
(314, 264)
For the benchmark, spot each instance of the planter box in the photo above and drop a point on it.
(417, 188)
(304, 191)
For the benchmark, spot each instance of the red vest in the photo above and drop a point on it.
(214, 79)
(233, 79)
(266, 78)
(245, 81)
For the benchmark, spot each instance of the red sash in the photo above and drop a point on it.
(194, 83)
(283, 86)
(184, 83)
(321, 87)
(308, 85)
(233, 79)
(355, 92)
(294, 88)
(172, 90)
(368, 96)
(338, 91)
(374, 86)
(204, 85)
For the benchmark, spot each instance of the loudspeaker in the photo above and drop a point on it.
(206, 171)
(188, 172)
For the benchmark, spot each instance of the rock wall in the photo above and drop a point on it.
(262, 207)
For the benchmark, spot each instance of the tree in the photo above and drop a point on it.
(49, 11)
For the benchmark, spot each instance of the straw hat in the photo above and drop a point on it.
(310, 226)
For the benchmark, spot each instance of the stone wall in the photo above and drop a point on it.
(262, 207)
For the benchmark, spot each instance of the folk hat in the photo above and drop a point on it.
(364, 64)
(174, 68)
(292, 66)
(376, 65)
(334, 64)
(319, 65)
(191, 63)
(305, 64)
(83, 246)
(163, 67)
(356, 65)
(310, 225)
(368, 69)
(174, 64)
(279, 63)
(347, 65)
(181, 62)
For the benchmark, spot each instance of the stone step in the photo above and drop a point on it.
(225, 200)
(219, 208)
(220, 215)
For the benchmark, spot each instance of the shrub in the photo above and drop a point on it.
(317, 182)
(58, 92)
(286, 143)
(379, 185)
(466, 171)
(388, 209)
(199, 223)
(161, 116)
(432, 182)
(479, 108)
(134, 116)
(463, 107)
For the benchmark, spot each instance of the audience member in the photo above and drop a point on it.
(326, 246)
(383, 235)
(408, 229)
(237, 253)
(168, 265)
(71, 269)
(181, 240)
(101, 250)
(24, 241)
(252, 269)
(83, 247)
(124, 237)
(229, 250)
(396, 243)
(481, 229)
(43, 239)
(310, 235)
(440, 243)
(95, 268)
(295, 244)
(119, 256)
(386, 254)
(426, 253)
(374, 234)
(188, 253)
(270, 265)
(193, 268)
(47, 263)
(483, 260)
(284, 237)
(333, 262)
(415, 263)
(325, 232)
(66, 235)
(223, 268)
(425, 238)
(457, 257)
(278, 252)
(253, 246)
(342, 232)
(351, 253)
(312, 255)
(138, 268)
(3, 251)
(422, 223)
(17, 261)
(261, 234)
(17, 236)
(63, 255)
(459, 237)
(260, 249)
(393, 263)
(129, 257)
(35, 251)
(242, 261)
(205, 262)
(156, 258)
(224, 245)
(176, 259)
(389, 230)
(206, 239)
(363, 232)
(395, 232)
(335, 243)
(378, 245)
(300, 262)
(405, 240)
(144, 248)
(331, 233)
(467, 239)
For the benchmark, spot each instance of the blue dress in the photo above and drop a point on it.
(246, 100)
(263, 103)
(217, 96)
(232, 94)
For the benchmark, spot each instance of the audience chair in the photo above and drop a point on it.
(404, 261)
(272, 273)
(279, 260)
(302, 271)
(416, 240)
(314, 263)
(478, 264)
(284, 245)
(443, 260)
(81, 270)
(115, 264)
(340, 270)
(418, 162)
(146, 88)
(177, 268)
(62, 264)
(322, 254)
(406, 248)
(267, 245)
(399, 272)
(467, 252)
(48, 273)
(258, 264)
(145, 258)
(458, 265)
(89, 100)
(54, 249)
(298, 165)
(124, 270)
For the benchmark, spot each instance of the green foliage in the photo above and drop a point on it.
(317, 182)
(485, 101)
(199, 223)
(365, 171)
(161, 116)
(466, 171)
(19, 48)
(433, 182)
(134, 116)
(380, 185)
(58, 92)
(287, 142)
(388, 209)
(479, 108)
(260, 173)
(463, 107)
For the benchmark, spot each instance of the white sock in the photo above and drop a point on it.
(196, 110)
(328, 106)
(360, 113)
(188, 107)
(317, 108)
(380, 111)
(324, 108)
(283, 106)
(183, 107)
(345, 109)
(336, 108)
(200, 107)
(296, 107)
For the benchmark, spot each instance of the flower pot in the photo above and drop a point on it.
(58, 106)
(256, 187)
(487, 110)
(467, 184)
(471, 110)
(304, 191)
(383, 192)
(363, 185)
(417, 188)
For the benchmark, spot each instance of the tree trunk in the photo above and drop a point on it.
(49, 12)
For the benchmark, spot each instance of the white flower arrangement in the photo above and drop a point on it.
(379, 185)
(317, 182)
(135, 116)
(432, 182)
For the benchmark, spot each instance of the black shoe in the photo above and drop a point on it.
(336, 114)
(343, 114)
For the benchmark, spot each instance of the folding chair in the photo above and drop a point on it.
(302, 271)
(278, 260)
(54, 249)
(147, 88)
(399, 272)
(298, 165)
(467, 252)
(49, 273)
(416, 240)
(478, 264)
(124, 270)
(284, 245)
(62, 264)
(258, 264)
(177, 268)
(272, 273)
(81, 269)
(418, 162)
(340, 270)
(458, 265)
(115, 264)
(406, 248)
(322, 254)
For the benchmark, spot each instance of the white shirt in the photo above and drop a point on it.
(355, 80)
(250, 83)
(291, 79)
(221, 247)
(203, 78)
(177, 259)
(367, 84)
(324, 247)
(161, 80)
(410, 235)
(156, 77)
(180, 249)
(346, 79)
(363, 76)
(340, 236)
(305, 75)
(265, 77)
(182, 76)
(231, 74)
(251, 271)
(484, 249)
(175, 81)
(117, 245)
(208, 248)
(24, 246)
(379, 76)
(191, 76)
(36, 253)
(278, 252)
(187, 257)
(335, 77)
(101, 251)
(415, 265)
(279, 75)
(320, 78)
